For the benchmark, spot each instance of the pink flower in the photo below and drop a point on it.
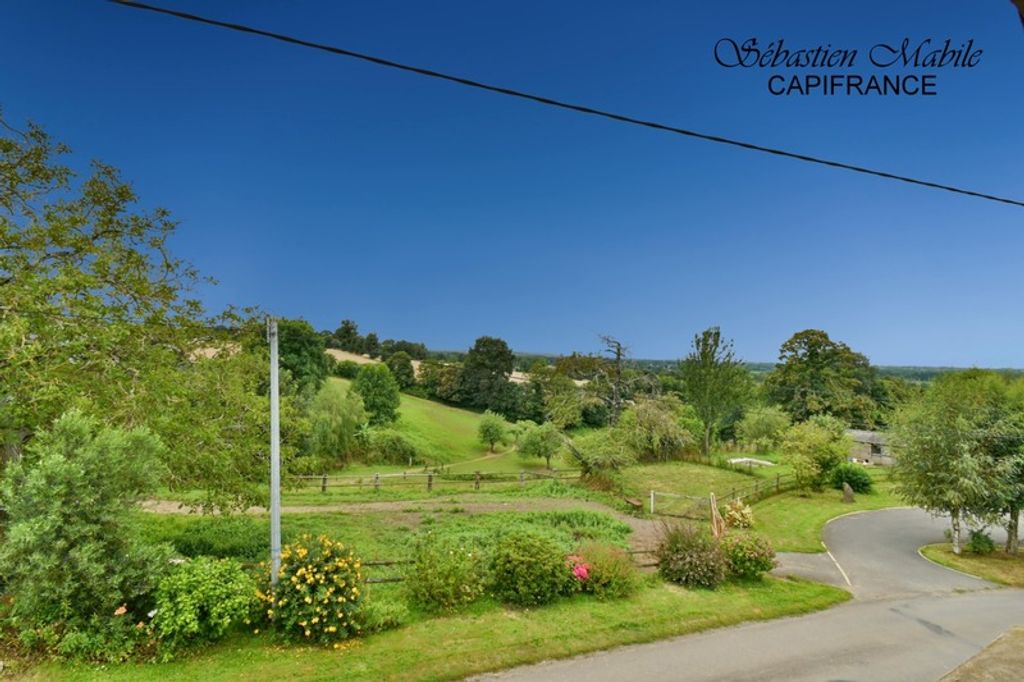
(581, 571)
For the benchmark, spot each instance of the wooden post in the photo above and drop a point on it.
(376, 483)
(732, 494)
(652, 501)
(323, 484)
(476, 485)
(430, 481)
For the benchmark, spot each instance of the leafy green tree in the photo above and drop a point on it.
(543, 441)
(96, 313)
(302, 353)
(347, 338)
(416, 351)
(713, 381)
(958, 449)
(336, 416)
(762, 428)
(652, 431)
(814, 448)
(371, 345)
(400, 365)
(442, 381)
(817, 375)
(493, 429)
(71, 556)
(379, 391)
(485, 374)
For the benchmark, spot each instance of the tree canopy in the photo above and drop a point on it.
(713, 381)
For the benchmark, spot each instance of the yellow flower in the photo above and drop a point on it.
(309, 600)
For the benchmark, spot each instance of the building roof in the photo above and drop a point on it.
(861, 436)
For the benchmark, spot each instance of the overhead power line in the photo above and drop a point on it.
(565, 105)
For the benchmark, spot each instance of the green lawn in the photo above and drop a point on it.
(489, 637)
(998, 567)
(683, 478)
(793, 521)
(442, 433)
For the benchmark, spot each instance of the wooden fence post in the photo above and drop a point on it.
(323, 484)
(652, 502)
(476, 481)
(430, 481)
(376, 483)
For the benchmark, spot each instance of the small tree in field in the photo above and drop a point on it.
(542, 441)
(335, 417)
(492, 429)
(713, 381)
(380, 393)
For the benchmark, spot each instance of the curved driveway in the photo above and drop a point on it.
(909, 619)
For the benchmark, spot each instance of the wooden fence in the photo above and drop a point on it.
(428, 480)
(698, 508)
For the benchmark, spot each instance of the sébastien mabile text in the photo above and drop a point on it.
(905, 68)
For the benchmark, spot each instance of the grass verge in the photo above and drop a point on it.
(487, 639)
(998, 567)
(793, 521)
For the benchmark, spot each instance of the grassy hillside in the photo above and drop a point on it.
(442, 433)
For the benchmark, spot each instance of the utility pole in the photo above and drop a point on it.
(275, 456)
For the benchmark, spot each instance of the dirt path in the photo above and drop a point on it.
(644, 535)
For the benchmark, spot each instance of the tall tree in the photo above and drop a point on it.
(371, 345)
(816, 375)
(485, 374)
(346, 337)
(97, 313)
(713, 381)
(302, 354)
(616, 375)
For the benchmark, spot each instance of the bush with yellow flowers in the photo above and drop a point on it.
(320, 591)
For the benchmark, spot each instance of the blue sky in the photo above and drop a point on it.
(325, 188)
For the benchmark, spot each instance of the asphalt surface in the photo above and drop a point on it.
(909, 620)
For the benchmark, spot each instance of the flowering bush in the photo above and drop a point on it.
(445, 574)
(748, 555)
(739, 515)
(320, 591)
(578, 568)
(529, 569)
(691, 557)
(608, 572)
(201, 600)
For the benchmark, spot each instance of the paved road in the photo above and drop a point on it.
(910, 620)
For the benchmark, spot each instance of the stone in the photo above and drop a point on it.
(847, 493)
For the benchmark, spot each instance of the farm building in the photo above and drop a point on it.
(870, 446)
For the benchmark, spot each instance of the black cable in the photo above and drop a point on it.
(564, 105)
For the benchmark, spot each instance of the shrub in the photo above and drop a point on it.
(761, 428)
(739, 515)
(528, 569)
(201, 600)
(610, 573)
(346, 369)
(814, 448)
(980, 543)
(336, 415)
(320, 591)
(71, 558)
(386, 446)
(748, 555)
(446, 574)
(691, 557)
(854, 474)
